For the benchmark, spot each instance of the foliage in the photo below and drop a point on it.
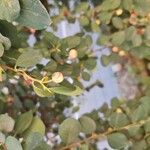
(37, 81)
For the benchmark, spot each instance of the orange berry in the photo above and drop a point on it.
(115, 49)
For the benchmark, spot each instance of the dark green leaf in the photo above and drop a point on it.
(88, 125)
(9, 9)
(37, 125)
(118, 38)
(33, 14)
(110, 4)
(117, 140)
(67, 91)
(118, 120)
(23, 122)
(69, 130)
(29, 58)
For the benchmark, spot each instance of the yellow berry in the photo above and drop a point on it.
(73, 54)
(122, 53)
(115, 49)
(119, 12)
(110, 129)
(57, 77)
(119, 110)
(98, 22)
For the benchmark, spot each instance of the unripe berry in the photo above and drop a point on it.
(57, 77)
(73, 54)
(115, 49)
(119, 12)
(98, 22)
(119, 110)
(122, 53)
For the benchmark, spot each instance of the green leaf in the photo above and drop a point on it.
(73, 41)
(10, 31)
(129, 32)
(43, 146)
(118, 38)
(86, 76)
(135, 131)
(117, 22)
(1, 50)
(13, 144)
(147, 126)
(5, 41)
(6, 123)
(105, 17)
(105, 60)
(42, 91)
(84, 21)
(118, 120)
(88, 125)
(51, 66)
(82, 7)
(9, 9)
(103, 39)
(23, 122)
(90, 63)
(35, 141)
(146, 103)
(67, 91)
(139, 145)
(136, 40)
(128, 4)
(141, 51)
(33, 14)
(139, 113)
(117, 140)
(84, 147)
(2, 138)
(110, 4)
(37, 125)
(95, 27)
(69, 130)
(26, 59)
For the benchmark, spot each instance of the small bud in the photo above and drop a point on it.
(73, 54)
(57, 77)
(122, 53)
(98, 22)
(119, 110)
(115, 49)
(119, 12)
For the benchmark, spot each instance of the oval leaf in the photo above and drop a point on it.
(13, 144)
(23, 122)
(69, 130)
(33, 14)
(87, 125)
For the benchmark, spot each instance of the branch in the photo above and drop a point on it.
(103, 136)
